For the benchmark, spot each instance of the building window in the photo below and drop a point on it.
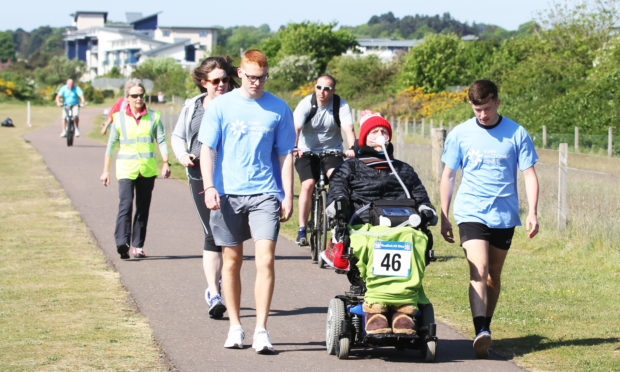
(165, 33)
(202, 33)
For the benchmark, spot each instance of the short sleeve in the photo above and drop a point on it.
(346, 118)
(527, 151)
(210, 127)
(285, 135)
(451, 153)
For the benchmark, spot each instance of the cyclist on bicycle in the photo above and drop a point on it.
(72, 96)
(318, 123)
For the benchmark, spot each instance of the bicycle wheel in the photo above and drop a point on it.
(314, 223)
(70, 132)
(322, 235)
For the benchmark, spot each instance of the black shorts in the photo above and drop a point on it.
(308, 166)
(499, 238)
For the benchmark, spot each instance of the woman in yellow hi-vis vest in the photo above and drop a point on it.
(136, 129)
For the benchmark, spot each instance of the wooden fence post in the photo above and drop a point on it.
(576, 139)
(438, 137)
(610, 143)
(422, 127)
(562, 184)
(544, 139)
(406, 125)
(28, 115)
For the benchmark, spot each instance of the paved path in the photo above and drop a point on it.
(168, 286)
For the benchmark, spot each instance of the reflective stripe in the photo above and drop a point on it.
(121, 116)
(142, 155)
(136, 140)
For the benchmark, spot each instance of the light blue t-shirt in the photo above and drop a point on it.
(248, 135)
(71, 96)
(489, 159)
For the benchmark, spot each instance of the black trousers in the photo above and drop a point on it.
(126, 232)
(195, 186)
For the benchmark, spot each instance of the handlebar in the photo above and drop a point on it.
(322, 154)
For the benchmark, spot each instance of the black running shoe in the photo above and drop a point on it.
(123, 250)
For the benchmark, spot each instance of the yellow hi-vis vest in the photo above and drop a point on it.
(136, 154)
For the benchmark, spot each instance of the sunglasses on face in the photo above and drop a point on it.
(217, 81)
(141, 95)
(324, 87)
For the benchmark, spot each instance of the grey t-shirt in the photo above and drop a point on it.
(322, 133)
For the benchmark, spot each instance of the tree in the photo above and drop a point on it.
(362, 77)
(58, 70)
(167, 75)
(291, 72)
(317, 41)
(7, 48)
(444, 60)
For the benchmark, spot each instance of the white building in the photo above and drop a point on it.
(102, 45)
(385, 49)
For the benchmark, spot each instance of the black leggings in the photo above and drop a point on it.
(195, 187)
(125, 233)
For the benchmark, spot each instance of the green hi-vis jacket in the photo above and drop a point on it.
(136, 154)
(391, 262)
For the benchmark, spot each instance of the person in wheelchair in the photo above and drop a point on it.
(379, 199)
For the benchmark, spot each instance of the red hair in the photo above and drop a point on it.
(254, 56)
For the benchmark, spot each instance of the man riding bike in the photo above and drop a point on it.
(72, 96)
(319, 118)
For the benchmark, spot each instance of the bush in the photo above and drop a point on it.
(292, 72)
(363, 79)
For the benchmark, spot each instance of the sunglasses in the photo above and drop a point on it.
(324, 87)
(217, 81)
(141, 95)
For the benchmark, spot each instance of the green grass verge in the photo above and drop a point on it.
(61, 306)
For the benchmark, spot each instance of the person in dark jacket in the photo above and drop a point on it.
(368, 177)
(359, 181)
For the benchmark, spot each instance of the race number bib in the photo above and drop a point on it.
(392, 258)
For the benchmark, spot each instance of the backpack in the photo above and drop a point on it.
(7, 123)
(315, 106)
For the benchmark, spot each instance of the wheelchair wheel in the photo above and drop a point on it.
(430, 352)
(344, 346)
(333, 326)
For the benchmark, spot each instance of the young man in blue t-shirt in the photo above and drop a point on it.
(247, 139)
(489, 149)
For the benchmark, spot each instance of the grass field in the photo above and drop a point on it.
(61, 306)
(559, 309)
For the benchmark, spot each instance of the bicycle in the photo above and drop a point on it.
(70, 123)
(318, 220)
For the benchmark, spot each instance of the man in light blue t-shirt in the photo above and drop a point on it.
(489, 149)
(247, 140)
(72, 96)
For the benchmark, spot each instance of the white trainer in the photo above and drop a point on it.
(63, 133)
(261, 342)
(235, 338)
(77, 131)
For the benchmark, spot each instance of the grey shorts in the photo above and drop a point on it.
(242, 217)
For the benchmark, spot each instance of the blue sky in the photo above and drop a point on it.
(508, 14)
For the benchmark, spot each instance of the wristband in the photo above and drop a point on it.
(207, 188)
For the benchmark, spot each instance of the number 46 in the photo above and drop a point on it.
(393, 262)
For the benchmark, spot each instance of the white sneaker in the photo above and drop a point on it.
(235, 338)
(77, 131)
(63, 133)
(261, 342)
